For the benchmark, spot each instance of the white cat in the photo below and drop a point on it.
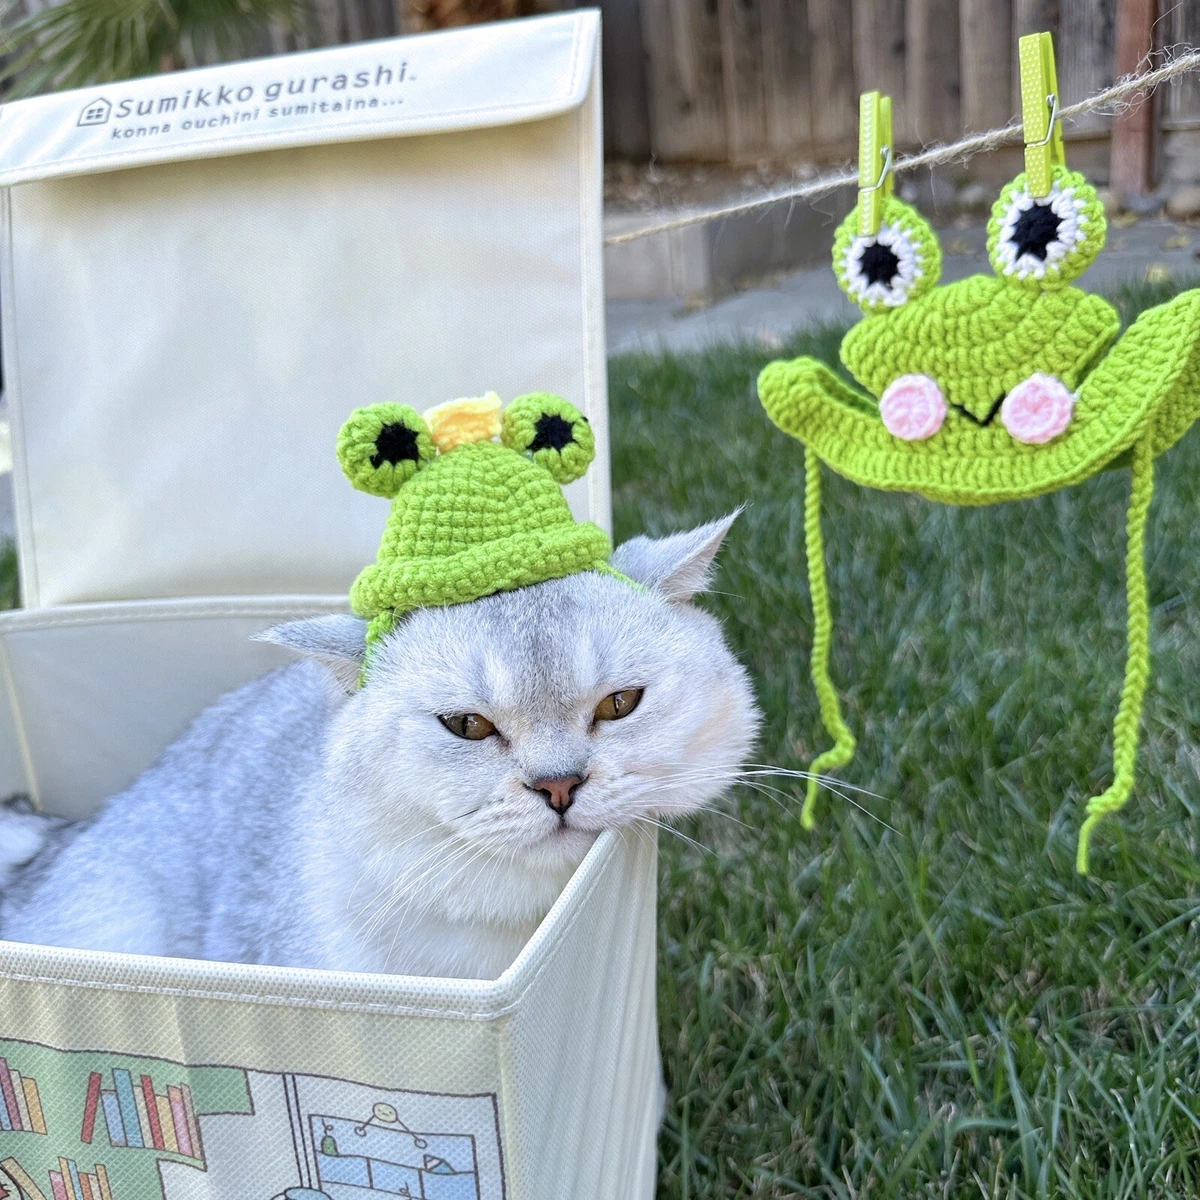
(425, 822)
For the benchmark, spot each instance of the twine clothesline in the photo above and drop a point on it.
(1120, 95)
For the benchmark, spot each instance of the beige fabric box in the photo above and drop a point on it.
(200, 274)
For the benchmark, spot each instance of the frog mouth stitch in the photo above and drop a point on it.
(984, 421)
(1081, 400)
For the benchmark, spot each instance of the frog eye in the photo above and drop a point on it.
(552, 431)
(1049, 240)
(884, 270)
(382, 447)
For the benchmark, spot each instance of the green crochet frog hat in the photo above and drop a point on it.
(470, 516)
(998, 387)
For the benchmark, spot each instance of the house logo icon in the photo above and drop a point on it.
(95, 113)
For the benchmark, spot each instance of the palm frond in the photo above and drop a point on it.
(81, 42)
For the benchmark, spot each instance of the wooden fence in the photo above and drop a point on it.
(745, 80)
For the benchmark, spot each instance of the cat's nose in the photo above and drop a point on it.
(558, 793)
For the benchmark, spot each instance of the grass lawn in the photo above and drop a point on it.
(923, 999)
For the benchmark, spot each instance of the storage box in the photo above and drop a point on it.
(202, 274)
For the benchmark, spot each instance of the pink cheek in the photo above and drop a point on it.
(1037, 409)
(912, 408)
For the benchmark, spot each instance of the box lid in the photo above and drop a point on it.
(190, 314)
(480, 76)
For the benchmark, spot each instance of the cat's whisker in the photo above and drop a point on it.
(825, 780)
(404, 885)
(832, 786)
(677, 832)
(720, 812)
(491, 800)
(677, 784)
(837, 786)
(756, 769)
(411, 889)
(467, 861)
(745, 776)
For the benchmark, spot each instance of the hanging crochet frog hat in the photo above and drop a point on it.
(471, 515)
(999, 387)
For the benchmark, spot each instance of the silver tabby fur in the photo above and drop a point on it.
(305, 821)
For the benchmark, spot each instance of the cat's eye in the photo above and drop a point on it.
(619, 704)
(472, 726)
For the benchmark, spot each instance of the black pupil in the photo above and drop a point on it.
(1036, 228)
(394, 444)
(879, 264)
(551, 432)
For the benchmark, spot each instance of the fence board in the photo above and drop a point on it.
(684, 84)
(1132, 150)
(1030, 16)
(987, 43)
(1181, 27)
(623, 65)
(1083, 50)
(934, 91)
(740, 24)
(834, 95)
(1034, 16)
(786, 76)
(879, 57)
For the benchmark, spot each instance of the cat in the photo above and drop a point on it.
(421, 824)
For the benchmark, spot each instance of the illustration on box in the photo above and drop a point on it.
(92, 1125)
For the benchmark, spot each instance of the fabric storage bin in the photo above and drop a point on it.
(202, 273)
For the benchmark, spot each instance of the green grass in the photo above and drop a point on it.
(923, 999)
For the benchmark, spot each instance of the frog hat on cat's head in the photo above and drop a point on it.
(471, 515)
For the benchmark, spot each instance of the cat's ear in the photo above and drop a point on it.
(678, 566)
(338, 640)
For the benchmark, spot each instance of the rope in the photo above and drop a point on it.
(1121, 95)
(842, 750)
(1137, 661)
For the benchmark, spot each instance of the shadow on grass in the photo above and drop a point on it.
(922, 999)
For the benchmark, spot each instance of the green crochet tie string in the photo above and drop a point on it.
(842, 750)
(1137, 654)
(1137, 661)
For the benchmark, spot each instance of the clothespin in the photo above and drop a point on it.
(1039, 112)
(874, 159)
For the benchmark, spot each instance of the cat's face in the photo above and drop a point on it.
(526, 723)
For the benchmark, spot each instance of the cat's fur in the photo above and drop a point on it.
(305, 821)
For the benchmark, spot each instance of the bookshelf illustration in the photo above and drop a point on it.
(136, 1116)
(382, 1157)
(70, 1183)
(67, 1183)
(20, 1102)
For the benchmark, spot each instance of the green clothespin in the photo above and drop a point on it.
(874, 159)
(1039, 112)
